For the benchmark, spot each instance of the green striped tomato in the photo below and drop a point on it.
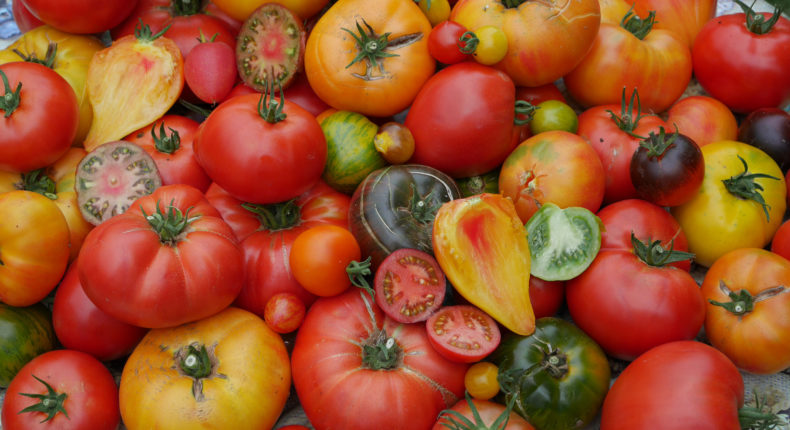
(25, 333)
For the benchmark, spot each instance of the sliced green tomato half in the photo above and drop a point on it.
(562, 242)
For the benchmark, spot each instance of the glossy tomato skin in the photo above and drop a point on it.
(744, 70)
(462, 120)
(334, 377)
(91, 394)
(125, 268)
(240, 150)
(244, 387)
(780, 244)
(704, 119)
(769, 130)
(443, 42)
(753, 336)
(179, 166)
(676, 386)
(546, 296)
(531, 174)
(82, 326)
(685, 18)
(81, 16)
(284, 312)
(534, 30)
(24, 19)
(45, 98)
(319, 258)
(463, 333)
(489, 411)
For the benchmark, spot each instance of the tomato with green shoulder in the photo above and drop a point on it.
(25, 332)
(350, 152)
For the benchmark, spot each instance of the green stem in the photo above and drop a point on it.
(187, 7)
(269, 108)
(512, 3)
(195, 108)
(524, 108)
(50, 403)
(627, 121)
(357, 271)
(468, 42)
(370, 45)
(422, 208)
(38, 182)
(636, 25)
(455, 421)
(196, 362)
(165, 143)
(143, 32)
(47, 61)
(653, 254)
(755, 22)
(657, 144)
(742, 302)
(276, 216)
(381, 352)
(744, 186)
(169, 226)
(10, 100)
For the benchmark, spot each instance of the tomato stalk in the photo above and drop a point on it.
(144, 34)
(742, 302)
(627, 121)
(524, 112)
(757, 418)
(653, 254)
(197, 362)
(10, 100)
(422, 208)
(373, 47)
(186, 7)
(755, 22)
(637, 26)
(165, 143)
(276, 216)
(459, 422)
(743, 186)
(50, 403)
(357, 270)
(657, 144)
(169, 226)
(269, 108)
(49, 57)
(381, 352)
(468, 42)
(38, 182)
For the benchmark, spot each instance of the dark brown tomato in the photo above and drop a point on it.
(769, 130)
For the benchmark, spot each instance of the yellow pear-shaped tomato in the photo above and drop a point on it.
(228, 371)
(481, 245)
(72, 54)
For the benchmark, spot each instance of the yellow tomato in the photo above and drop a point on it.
(435, 10)
(491, 45)
(480, 380)
(720, 218)
(227, 371)
(241, 9)
(73, 54)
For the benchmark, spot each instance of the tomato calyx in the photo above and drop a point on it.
(373, 47)
(171, 225)
(165, 143)
(143, 32)
(50, 403)
(637, 26)
(422, 208)
(524, 112)
(627, 121)
(276, 216)
(742, 302)
(380, 352)
(511, 4)
(657, 144)
(357, 270)
(38, 182)
(653, 254)
(758, 416)
(10, 100)
(459, 422)
(270, 108)
(186, 7)
(744, 187)
(468, 42)
(755, 22)
(49, 57)
(197, 362)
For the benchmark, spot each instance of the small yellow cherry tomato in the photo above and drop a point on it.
(435, 10)
(480, 380)
(491, 45)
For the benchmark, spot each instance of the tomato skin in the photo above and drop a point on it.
(334, 384)
(716, 221)
(180, 166)
(780, 244)
(756, 338)
(239, 150)
(81, 326)
(661, 69)
(530, 175)
(533, 30)
(24, 19)
(241, 9)
(546, 296)
(209, 71)
(480, 380)
(462, 333)
(26, 333)
(685, 18)
(462, 120)
(754, 78)
(246, 388)
(81, 16)
(489, 412)
(92, 396)
(319, 257)
(45, 98)
(302, 94)
(769, 130)
(284, 312)
(675, 386)
(443, 42)
(124, 266)
(704, 119)
(330, 50)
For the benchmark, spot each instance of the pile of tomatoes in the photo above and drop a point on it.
(401, 214)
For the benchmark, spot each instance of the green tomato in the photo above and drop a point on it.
(562, 242)
(25, 333)
(554, 115)
(559, 375)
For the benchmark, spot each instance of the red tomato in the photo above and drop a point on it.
(462, 120)
(81, 326)
(319, 258)
(631, 299)
(241, 148)
(80, 393)
(481, 411)
(410, 285)
(168, 260)
(743, 65)
(546, 296)
(284, 312)
(463, 333)
(302, 94)
(444, 42)
(703, 119)
(676, 386)
(267, 233)
(532, 175)
(81, 16)
(614, 132)
(23, 18)
(169, 141)
(351, 366)
(210, 71)
(40, 116)
(780, 244)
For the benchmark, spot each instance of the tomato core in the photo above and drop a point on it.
(381, 352)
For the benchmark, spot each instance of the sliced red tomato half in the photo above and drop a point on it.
(409, 285)
(463, 333)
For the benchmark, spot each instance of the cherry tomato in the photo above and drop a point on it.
(284, 312)
(410, 285)
(444, 42)
(481, 380)
(463, 333)
(319, 257)
(491, 46)
(554, 115)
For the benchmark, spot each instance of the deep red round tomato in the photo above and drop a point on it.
(444, 42)
(631, 298)
(302, 94)
(676, 386)
(462, 120)
(546, 296)
(24, 19)
(40, 116)
(262, 156)
(409, 285)
(169, 141)
(319, 257)
(463, 333)
(352, 365)
(284, 312)
(81, 16)
(667, 169)
(79, 393)
(780, 244)
(741, 64)
(82, 326)
(168, 260)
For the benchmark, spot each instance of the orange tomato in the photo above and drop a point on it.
(319, 257)
(703, 119)
(685, 18)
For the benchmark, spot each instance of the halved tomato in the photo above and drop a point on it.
(463, 333)
(409, 285)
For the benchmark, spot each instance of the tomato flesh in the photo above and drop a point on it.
(463, 333)
(409, 285)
